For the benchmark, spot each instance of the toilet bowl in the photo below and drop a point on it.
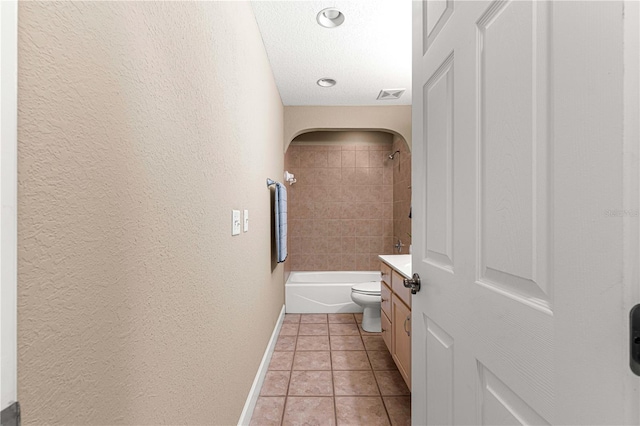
(368, 296)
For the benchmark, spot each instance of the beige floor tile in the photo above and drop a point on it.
(350, 360)
(374, 343)
(346, 343)
(313, 318)
(311, 383)
(313, 343)
(275, 383)
(310, 411)
(281, 361)
(313, 330)
(289, 329)
(341, 318)
(286, 343)
(268, 411)
(381, 360)
(391, 383)
(399, 409)
(352, 383)
(361, 411)
(343, 330)
(312, 360)
(291, 318)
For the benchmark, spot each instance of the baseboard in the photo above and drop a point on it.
(252, 398)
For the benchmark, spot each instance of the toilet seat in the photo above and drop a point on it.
(372, 288)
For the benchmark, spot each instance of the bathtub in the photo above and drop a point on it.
(324, 292)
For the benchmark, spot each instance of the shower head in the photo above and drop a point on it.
(392, 156)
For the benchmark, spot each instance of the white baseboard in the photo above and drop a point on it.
(252, 398)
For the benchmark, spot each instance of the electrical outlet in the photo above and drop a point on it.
(246, 220)
(235, 222)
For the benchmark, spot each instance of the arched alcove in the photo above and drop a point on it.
(342, 210)
(303, 119)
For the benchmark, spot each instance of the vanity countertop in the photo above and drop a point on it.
(399, 262)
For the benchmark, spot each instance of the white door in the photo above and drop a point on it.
(8, 174)
(519, 192)
(632, 139)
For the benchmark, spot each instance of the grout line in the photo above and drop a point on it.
(382, 397)
(284, 409)
(333, 385)
(286, 397)
(379, 390)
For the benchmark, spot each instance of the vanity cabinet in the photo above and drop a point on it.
(396, 319)
(385, 296)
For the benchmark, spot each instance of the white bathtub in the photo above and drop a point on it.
(324, 292)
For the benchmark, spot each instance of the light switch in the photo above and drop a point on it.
(246, 220)
(235, 223)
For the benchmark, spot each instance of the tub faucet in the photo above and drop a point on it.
(398, 246)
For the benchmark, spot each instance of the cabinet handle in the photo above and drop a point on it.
(384, 300)
(408, 318)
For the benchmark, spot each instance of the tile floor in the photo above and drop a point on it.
(326, 370)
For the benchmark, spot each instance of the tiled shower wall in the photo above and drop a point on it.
(341, 208)
(402, 194)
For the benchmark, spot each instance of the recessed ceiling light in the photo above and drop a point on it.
(330, 17)
(326, 82)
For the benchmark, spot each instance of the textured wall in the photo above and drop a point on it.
(401, 194)
(141, 125)
(341, 208)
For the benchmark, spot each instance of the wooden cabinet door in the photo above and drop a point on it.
(385, 273)
(385, 293)
(401, 337)
(386, 330)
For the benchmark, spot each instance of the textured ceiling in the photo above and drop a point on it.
(369, 52)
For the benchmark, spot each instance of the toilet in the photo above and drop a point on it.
(368, 296)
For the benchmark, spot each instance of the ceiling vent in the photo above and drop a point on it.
(390, 94)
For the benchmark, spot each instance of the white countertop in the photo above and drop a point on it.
(399, 262)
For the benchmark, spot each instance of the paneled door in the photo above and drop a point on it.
(519, 190)
(8, 210)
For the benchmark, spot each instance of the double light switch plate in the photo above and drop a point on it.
(236, 222)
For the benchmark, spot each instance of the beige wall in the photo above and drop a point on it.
(141, 125)
(401, 194)
(340, 209)
(301, 119)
